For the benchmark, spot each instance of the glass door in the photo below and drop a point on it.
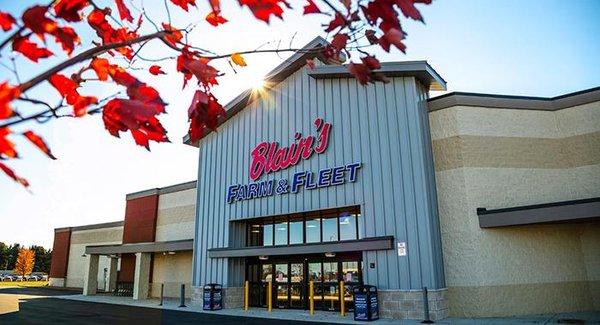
(315, 274)
(281, 285)
(297, 285)
(351, 278)
(331, 286)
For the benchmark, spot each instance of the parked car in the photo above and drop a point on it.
(8, 277)
(19, 278)
(33, 277)
(45, 277)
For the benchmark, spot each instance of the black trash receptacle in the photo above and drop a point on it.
(212, 297)
(366, 304)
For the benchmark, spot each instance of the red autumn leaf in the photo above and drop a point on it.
(204, 112)
(14, 176)
(335, 23)
(215, 18)
(7, 95)
(69, 10)
(371, 62)
(35, 19)
(24, 46)
(311, 8)
(205, 73)
(156, 70)
(360, 71)
(67, 38)
(136, 116)
(6, 21)
(174, 35)
(7, 147)
(311, 64)
(392, 37)
(101, 67)
(97, 20)
(381, 11)
(68, 90)
(39, 142)
(370, 35)
(409, 10)
(339, 41)
(184, 3)
(263, 9)
(124, 11)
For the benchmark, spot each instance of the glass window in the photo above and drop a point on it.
(281, 232)
(296, 232)
(255, 234)
(267, 274)
(347, 226)
(268, 234)
(330, 229)
(313, 230)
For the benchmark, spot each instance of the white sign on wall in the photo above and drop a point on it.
(401, 248)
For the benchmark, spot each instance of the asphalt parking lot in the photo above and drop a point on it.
(36, 306)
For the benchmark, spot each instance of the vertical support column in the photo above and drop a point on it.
(90, 279)
(246, 295)
(112, 274)
(142, 276)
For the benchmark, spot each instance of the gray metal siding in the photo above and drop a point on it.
(384, 126)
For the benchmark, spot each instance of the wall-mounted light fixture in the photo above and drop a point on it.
(329, 254)
(263, 257)
(171, 253)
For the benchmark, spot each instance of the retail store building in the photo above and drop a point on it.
(491, 202)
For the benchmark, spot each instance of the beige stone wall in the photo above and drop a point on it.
(176, 215)
(172, 271)
(78, 263)
(497, 158)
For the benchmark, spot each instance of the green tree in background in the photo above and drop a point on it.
(42, 259)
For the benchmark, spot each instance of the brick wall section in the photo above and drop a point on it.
(409, 304)
(60, 253)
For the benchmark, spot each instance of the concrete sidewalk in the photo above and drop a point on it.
(330, 317)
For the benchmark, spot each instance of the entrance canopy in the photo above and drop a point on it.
(566, 211)
(150, 247)
(365, 244)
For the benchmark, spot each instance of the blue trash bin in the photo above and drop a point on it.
(366, 303)
(212, 298)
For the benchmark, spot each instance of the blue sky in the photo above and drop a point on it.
(537, 48)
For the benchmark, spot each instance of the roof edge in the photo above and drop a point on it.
(161, 190)
(514, 102)
(111, 224)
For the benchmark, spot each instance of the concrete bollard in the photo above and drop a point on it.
(162, 293)
(426, 319)
(182, 296)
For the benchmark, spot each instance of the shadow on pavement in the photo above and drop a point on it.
(38, 307)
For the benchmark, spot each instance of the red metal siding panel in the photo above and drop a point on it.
(140, 220)
(60, 254)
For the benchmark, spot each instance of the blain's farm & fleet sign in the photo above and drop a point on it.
(269, 157)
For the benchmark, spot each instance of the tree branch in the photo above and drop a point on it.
(85, 56)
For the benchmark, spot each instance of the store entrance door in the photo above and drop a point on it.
(290, 281)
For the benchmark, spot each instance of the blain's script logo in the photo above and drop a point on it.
(269, 157)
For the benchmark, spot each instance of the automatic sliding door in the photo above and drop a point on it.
(315, 274)
(281, 285)
(296, 285)
(331, 286)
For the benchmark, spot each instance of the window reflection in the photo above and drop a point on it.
(330, 231)
(313, 230)
(347, 226)
(281, 233)
(311, 227)
(296, 232)
(268, 235)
